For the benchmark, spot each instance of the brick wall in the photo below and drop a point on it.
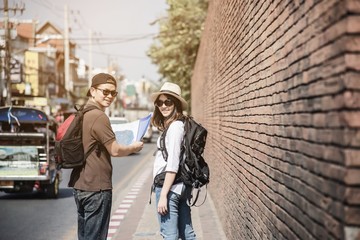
(277, 84)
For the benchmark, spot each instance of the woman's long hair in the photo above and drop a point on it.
(162, 123)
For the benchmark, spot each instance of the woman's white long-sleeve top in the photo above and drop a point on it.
(173, 141)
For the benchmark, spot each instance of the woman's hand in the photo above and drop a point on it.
(162, 205)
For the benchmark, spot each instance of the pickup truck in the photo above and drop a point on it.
(27, 161)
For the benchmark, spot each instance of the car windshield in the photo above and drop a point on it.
(22, 114)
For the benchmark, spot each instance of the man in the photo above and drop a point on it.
(92, 182)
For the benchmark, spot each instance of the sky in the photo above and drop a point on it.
(121, 29)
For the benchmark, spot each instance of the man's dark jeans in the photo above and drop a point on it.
(94, 209)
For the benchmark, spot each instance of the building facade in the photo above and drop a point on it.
(37, 67)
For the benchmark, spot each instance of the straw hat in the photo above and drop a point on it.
(170, 89)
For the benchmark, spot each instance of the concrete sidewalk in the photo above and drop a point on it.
(134, 218)
(205, 221)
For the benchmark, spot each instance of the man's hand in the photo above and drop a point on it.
(138, 146)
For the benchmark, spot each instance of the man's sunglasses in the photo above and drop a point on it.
(167, 102)
(106, 92)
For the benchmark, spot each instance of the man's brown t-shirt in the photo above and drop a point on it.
(96, 174)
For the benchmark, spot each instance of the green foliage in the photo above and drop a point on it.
(175, 48)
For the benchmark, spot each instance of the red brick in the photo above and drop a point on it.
(276, 83)
(352, 195)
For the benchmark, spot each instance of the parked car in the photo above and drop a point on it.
(118, 120)
(148, 135)
(155, 130)
(27, 156)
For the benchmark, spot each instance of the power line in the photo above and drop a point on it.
(114, 55)
(51, 6)
(108, 41)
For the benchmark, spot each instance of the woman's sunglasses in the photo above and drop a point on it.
(106, 92)
(167, 102)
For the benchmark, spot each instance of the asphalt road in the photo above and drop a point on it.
(32, 217)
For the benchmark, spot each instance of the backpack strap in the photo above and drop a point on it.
(96, 146)
(162, 145)
(162, 141)
(85, 109)
(190, 204)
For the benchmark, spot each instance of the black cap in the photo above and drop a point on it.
(101, 78)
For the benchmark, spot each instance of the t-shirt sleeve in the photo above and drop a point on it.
(102, 130)
(173, 141)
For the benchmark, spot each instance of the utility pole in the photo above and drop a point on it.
(90, 58)
(7, 91)
(66, 51)
(5, 84)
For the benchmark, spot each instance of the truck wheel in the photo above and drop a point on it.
(52, 190)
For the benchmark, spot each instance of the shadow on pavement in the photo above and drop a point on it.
(63, 193)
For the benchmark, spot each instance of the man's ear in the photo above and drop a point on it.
(92, 92)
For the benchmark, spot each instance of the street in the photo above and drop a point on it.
(33, 217)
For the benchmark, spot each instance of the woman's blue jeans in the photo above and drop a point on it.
(177, 222)
(94, 210)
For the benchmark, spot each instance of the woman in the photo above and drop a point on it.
(174, 214)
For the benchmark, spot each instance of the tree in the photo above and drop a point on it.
(175, 48)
